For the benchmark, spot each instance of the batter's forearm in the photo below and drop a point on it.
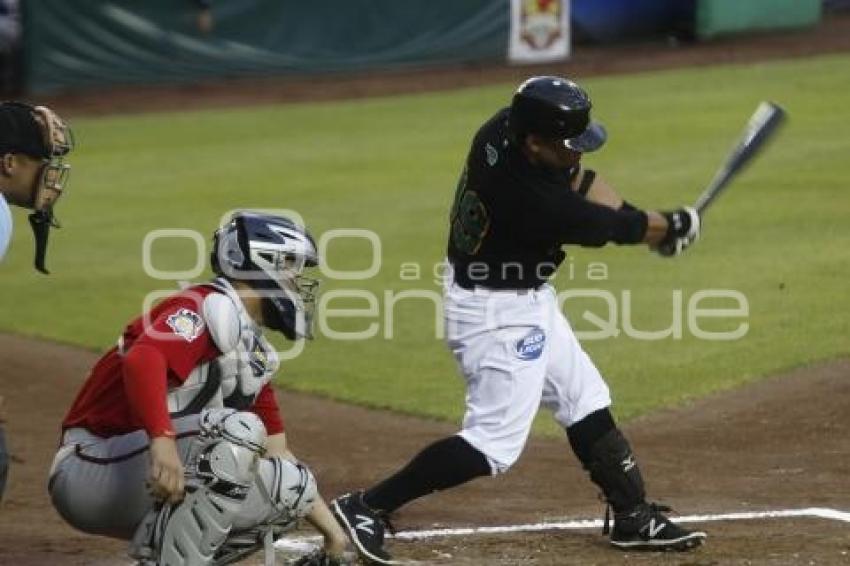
(602, 193)
(656, 228)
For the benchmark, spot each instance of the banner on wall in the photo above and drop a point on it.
(88, 44)
(540, 31)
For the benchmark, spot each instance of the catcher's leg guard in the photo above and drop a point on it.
(220, 472)
(284, 492)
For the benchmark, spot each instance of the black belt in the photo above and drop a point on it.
(464, 282)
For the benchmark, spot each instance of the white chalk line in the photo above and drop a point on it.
(305, 544)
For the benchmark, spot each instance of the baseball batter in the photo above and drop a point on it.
(522, 195)
(176, 441)
(34, 141)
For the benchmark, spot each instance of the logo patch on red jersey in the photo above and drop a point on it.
(186, 324)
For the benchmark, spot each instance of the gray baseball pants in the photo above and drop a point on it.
(98, 485)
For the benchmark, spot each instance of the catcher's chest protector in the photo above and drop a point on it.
(235, 378)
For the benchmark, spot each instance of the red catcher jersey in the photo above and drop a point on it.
(176, 328)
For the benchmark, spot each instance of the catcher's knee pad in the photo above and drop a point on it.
(220, 473)
(236, 427)
(285, 492)
(293, 488)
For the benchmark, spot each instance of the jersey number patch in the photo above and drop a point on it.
(469, 219)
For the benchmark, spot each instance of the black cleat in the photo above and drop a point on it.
(646, 528)
(364, 526)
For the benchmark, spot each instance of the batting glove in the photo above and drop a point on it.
(683, 229)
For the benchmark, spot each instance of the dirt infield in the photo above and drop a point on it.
(780, 443)
(832, 35)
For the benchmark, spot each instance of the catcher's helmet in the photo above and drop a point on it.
(271, 253)
(556, 108)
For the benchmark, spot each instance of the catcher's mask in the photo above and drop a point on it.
(273, 255)
(40, 133)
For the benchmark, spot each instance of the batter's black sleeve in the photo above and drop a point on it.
(572, 219)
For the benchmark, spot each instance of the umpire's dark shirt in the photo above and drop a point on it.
(510, 218)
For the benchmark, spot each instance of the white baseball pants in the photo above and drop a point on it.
(517, 351)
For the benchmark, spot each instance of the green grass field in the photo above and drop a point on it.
(780, 236)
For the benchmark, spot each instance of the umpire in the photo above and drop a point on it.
(522, 195)
(34, 141)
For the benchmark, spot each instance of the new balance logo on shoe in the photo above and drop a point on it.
(364, 523)
(646, 528)
(653, 529)
(364, 526)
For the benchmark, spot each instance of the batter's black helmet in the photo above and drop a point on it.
(555, 108)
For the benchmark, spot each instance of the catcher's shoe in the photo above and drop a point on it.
(320, 558)
(364, 526)
(646, 528)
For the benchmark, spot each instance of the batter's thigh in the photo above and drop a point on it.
(98, 485)
(573, 386)
(503, 362)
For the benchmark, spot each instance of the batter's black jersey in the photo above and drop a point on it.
(510, 218)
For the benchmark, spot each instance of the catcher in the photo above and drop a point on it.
(176, 441)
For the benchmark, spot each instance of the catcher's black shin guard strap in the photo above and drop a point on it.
(445, 464)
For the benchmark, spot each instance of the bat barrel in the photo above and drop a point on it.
(761, 127)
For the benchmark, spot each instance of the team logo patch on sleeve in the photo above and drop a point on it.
(492, 154)
(531, 345)
(187, 324)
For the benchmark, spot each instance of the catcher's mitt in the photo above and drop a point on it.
(320, 558)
